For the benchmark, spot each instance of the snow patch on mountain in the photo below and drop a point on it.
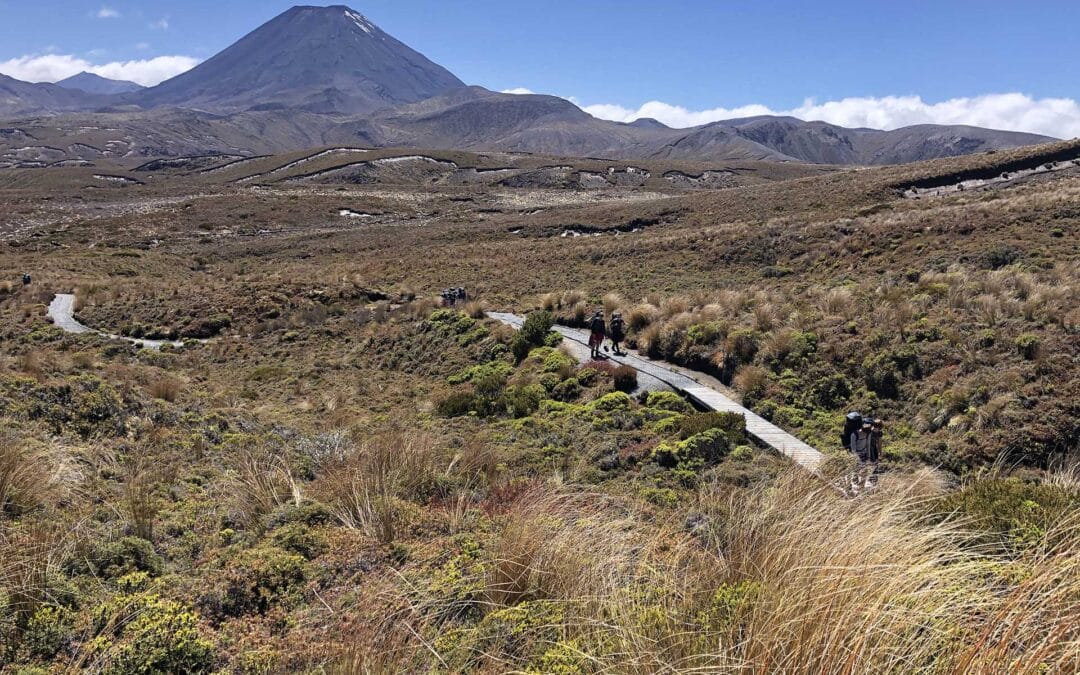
(361, 22)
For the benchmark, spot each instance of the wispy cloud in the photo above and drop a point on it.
(55, 67)
(160, 24)
(107, 13)
(1058, 117)
(518, 90)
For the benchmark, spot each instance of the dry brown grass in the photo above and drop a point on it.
(641, 316)
(166, 388)
(140, 502)
(367, 490)
(259, 485)
(24, 476)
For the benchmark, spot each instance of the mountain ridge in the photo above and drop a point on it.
(351, 82)
(96, 84)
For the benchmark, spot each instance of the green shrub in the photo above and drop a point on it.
(831, 391)
(705, 333)
(298, 538)
(457, 404)
(696, 452)
(1013, 512)
(86, 406)
(552, 360)
(612, 402)
(567, 390)
(668, 400)
(258, 579)
(882, 376)
(1027, 346)
(743, 453)
(148, 634)
(533, 333)
(48, 630)
(491, 369)
(451, 322)
(522, 401)
(115, 559)
(522, 633)
(732, 424)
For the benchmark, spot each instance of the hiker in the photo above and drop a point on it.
(461, 296)
(860, 441)
(26, 279)
(618, 332)
(852, 423)
(877, 432)
(597, 333)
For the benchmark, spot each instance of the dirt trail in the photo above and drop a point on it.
(699, 388)
(62, 312)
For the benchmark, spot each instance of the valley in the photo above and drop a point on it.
(296, 377)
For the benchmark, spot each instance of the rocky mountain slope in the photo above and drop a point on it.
(24, 98)
(316, 59)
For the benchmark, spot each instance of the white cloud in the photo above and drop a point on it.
(108, 13)
(1058, 117)
(518, 90)
(160, 24)
(55, 67)
(142, 46)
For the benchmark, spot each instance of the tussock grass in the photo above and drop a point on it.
(787, 577)
(367, 489)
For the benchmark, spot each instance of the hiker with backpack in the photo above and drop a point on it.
(856, 435)
(26, 279)
(597, 333)
(877, 434)
(617, 332)
(860, 441)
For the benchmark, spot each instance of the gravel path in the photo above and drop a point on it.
(62, 313)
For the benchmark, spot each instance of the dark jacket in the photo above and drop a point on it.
(618, 329)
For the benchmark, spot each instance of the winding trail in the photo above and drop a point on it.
(62, 313)
(697, 388)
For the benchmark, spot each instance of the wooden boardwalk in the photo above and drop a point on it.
(760, 429)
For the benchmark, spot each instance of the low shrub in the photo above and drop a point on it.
(670, 401)
(115, 559)
(732, 424)
(457, 404)
(1013, 513)
(48, 631)
(149, 634)
(298, 538)
(1028, 346)
(256, 580)
(625, 379)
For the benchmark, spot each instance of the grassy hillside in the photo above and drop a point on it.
(348, 479)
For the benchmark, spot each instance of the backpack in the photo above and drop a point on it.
(852, 423)
(617, 328)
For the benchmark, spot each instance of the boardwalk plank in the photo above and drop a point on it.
(760, 429)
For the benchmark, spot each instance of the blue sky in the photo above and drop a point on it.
(699, 59)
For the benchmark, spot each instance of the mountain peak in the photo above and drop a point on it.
(319, 59)
(96, 84)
